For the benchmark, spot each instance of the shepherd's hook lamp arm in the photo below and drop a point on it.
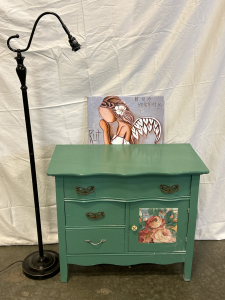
(73, 42)
(41, 264)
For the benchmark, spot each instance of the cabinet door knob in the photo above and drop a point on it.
(134, 228)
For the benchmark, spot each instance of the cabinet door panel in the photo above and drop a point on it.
(158, 226)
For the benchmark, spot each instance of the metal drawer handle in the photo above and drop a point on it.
(95, 216)
(169, 189)
(102, 241)
(85, 191)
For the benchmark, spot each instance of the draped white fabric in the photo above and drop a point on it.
(173, 48)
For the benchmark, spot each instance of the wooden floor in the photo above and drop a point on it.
(149, 282)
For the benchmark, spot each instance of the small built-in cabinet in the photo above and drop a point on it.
(161, 225)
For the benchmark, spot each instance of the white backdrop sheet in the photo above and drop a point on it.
(173, 48)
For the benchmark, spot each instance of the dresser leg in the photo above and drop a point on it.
(191, 227)
(187, 269)
(64, 272)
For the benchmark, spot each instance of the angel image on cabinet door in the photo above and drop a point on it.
(113, 109)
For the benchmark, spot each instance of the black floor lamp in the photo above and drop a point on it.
(41, 264)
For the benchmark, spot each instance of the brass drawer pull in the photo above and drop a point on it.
(102, 241)
(95, 216)
(85, 191)
(169, 189)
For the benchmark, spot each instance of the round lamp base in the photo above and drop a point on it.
(38, 269)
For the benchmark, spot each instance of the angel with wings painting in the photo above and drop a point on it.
(113, 109)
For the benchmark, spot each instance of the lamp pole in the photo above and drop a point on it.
(41, 264)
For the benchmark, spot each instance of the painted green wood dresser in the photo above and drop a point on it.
(126, 204)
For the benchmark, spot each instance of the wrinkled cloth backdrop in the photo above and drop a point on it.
(158, 47)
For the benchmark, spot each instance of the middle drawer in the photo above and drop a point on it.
(94, 213)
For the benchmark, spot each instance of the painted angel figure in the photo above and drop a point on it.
(114, 109)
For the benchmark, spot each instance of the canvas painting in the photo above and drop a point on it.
(125, 119)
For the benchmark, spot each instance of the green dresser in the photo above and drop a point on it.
(126, 204)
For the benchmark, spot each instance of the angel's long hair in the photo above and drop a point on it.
(112, 102)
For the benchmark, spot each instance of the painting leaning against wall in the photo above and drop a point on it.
(125, 119)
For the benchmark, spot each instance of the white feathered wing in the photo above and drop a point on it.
(144, 126)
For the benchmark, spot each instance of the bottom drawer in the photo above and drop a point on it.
(108, 240)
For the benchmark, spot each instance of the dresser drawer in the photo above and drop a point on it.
(94, 213)
(108, 240)
(132, 187)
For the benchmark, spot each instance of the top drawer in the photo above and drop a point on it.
(127, 187)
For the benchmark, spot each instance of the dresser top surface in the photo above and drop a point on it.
(125, 160)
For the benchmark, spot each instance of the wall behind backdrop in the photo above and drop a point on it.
(131, 47)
